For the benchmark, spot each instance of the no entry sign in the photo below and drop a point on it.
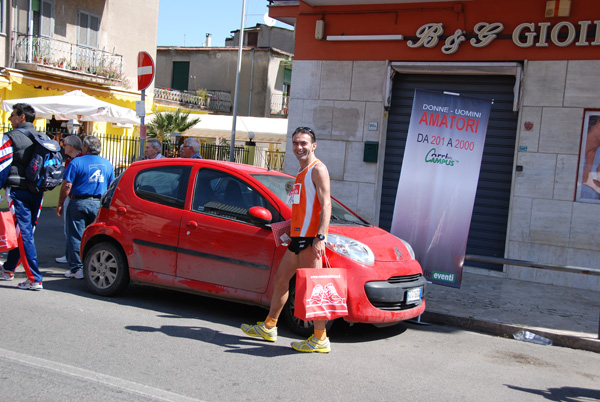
(145, 70)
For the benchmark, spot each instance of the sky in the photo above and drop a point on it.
(186, 22)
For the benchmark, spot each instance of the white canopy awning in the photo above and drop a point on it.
(76, 105)
(218, 126)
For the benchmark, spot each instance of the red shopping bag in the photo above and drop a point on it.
(321, 294)
(8, 232)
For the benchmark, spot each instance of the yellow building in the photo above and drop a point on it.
(51, 47)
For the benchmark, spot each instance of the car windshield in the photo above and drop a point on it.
(281, 186)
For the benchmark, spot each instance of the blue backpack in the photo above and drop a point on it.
(45, 169)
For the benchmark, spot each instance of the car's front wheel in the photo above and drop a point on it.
(105, 270)
(295, 324)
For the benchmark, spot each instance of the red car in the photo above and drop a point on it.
(203, 226)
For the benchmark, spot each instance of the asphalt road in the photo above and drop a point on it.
(150, 344)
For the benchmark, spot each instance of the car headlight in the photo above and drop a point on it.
(409, 248)
(350, 248)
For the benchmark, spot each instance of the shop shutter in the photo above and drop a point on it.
(487, 234)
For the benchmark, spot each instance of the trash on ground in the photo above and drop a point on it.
(531, 337)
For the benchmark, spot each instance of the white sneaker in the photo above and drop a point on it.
(77, 274)
(61, 260)
(28, 285)
(6, 275)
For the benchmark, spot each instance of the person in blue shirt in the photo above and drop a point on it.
(152, 149)
(86, 179)
(191, 148)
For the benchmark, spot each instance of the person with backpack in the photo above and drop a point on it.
(86, 179)
(25, 203)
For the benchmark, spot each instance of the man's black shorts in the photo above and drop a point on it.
(298, 244)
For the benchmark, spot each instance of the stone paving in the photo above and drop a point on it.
(501, 306)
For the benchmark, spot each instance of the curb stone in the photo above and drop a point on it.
(506, 330)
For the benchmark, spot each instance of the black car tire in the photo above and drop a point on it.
(295, 324)
(105, 270)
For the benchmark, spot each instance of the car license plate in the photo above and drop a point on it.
(413, 295)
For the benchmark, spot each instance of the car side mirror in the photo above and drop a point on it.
(260, 215)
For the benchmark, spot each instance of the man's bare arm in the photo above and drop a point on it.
(320, 177)
(65, 191)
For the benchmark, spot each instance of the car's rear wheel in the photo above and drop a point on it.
(295, 324)
(105, 270)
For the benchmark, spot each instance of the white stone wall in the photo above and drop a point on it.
(338, 99)
(545, 223)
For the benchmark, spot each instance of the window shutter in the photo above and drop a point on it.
(94, 29)
(46, 20)
(83, 28)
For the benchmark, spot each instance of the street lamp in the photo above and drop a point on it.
(249, 148)
(174, 137)
(73, 126)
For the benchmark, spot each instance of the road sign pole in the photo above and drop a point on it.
(143, 127)
(145, 78)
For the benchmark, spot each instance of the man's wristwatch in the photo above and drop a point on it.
(320, 237)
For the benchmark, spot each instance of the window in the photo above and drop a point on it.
(220, 194)
(252, 39)
(89, 27)
(2, 16)
(165, 185)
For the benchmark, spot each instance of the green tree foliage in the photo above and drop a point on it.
(166, 123)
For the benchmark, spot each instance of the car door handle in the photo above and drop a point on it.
(191, 225)
(121, 211)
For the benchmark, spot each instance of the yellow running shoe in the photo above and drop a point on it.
(259, 330)
(312, 344)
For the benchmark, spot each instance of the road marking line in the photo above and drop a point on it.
(114, 382)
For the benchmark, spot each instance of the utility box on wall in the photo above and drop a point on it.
(371, 151)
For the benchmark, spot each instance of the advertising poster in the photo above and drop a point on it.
(588, 185)
(438, 181)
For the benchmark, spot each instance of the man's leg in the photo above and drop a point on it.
(26, 207)
(319, 341)
(308, 259)
(63, 258)
(75, 226)
(281, 289)
(12, 260)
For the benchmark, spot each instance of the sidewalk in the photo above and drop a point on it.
(501, 306)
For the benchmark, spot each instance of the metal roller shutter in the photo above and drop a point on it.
(487, 234)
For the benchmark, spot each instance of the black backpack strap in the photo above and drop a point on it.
(28, 133)
(42, 139)
(25, 131)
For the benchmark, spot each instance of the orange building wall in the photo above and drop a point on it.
(406, 19)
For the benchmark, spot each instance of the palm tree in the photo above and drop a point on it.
(166, 123)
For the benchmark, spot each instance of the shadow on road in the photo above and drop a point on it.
(562, 393)
(235, 344)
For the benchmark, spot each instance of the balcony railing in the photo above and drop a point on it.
(184, 98)
(70, 57)
(217, 101)
(279, 104)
